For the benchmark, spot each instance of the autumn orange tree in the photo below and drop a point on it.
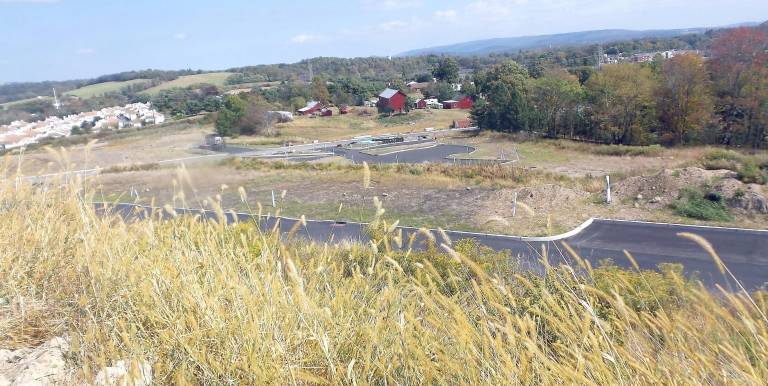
(683, 98)
(622, 102)
(739, 68)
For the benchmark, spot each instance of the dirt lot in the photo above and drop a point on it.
(146, 146)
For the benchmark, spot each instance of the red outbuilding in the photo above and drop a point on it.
(326, 113)
(392, 100)
(421, 104)
(311, 108)
(464, 102)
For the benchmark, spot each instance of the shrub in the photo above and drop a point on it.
(695, 204)
(751, 173)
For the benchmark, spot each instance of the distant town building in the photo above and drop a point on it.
(21, 133)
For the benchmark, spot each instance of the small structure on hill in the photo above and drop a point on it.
(417, 86)
(280, 116)
(326, 112)
(392, 101)
(311, 108)
(464, 102)
(344, 109)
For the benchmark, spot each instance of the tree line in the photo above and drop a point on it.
(683, 100)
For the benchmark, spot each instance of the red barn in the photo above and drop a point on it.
(421, 104)
(311, 108)
(326, 113)
(463, 102)
(392, 100)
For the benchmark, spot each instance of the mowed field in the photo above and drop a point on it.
(22, 101)
(99, 89)
(218, 79)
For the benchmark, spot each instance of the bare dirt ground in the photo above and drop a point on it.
(147, 146)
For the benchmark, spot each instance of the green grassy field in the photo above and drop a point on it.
(218, 79)
(99, 89)
(22, 101)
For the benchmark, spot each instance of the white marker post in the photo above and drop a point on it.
(608, 189)
(514, 206)
(274, 203)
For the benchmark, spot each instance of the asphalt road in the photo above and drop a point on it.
(438, 153)
(745, 252)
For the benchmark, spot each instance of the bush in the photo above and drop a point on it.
(750, 169)
(751, 173)
(702, 206)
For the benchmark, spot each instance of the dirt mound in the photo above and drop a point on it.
(749, 198)
(661, 189)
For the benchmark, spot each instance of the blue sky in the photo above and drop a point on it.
(65, 39)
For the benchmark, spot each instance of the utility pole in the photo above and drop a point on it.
(599, 61)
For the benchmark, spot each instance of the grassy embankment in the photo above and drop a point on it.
(99, 89)
(218, 79)
(207, 303)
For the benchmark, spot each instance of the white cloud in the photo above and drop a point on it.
(180, 36)
(86, 51)
(303, 38)
(446, 15)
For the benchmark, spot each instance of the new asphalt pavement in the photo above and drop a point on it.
(745, 252)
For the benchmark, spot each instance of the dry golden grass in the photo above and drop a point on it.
(209, 303)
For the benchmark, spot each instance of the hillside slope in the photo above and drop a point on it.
(488, 46)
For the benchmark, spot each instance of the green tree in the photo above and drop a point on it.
(228, 118)
(505, 90)
(441, 90)
(622, 103)
(555, 99)
(424, 78)
(320, 90)
(447, 70)
(683, 98)
(297, 102)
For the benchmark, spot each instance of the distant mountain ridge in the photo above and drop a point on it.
(499, 45)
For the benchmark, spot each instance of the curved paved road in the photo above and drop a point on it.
(439, 153)
(745, 252)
